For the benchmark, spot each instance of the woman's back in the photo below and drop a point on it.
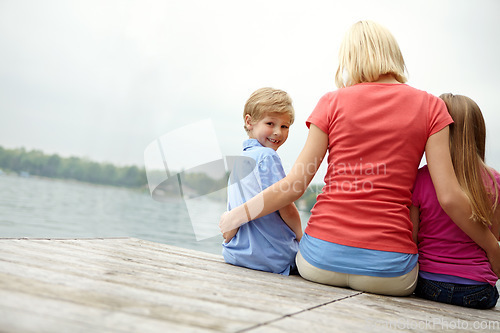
(377, 134)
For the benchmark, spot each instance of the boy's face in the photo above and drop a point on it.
(271, 131)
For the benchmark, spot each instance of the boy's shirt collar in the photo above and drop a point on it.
(249, 143)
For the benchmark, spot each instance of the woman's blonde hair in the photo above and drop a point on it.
(268, 100)
(467, 147)
(368, 51)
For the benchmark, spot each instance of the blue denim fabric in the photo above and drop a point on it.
(480, 296)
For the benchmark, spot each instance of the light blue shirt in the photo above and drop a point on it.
(352, 260)
(267, 243)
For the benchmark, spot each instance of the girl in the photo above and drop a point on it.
(453, 268)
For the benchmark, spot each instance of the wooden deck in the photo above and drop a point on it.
(131, 285)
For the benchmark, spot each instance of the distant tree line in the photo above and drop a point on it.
(37, 163)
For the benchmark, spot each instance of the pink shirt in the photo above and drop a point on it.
(443, 247)
(376, 137)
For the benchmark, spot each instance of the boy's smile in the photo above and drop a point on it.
(271, 131)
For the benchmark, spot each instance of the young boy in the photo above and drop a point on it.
(269, 243)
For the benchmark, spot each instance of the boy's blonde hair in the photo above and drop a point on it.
(268, 100)
(368, 51)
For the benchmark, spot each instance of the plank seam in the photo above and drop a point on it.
(248, 329)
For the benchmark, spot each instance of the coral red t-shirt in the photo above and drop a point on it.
(376, 138)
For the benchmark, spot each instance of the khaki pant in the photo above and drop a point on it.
(403, 285)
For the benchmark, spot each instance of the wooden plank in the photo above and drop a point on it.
(374, 313)
(131, 285)
(141, 281)
(20, 314)
(179, 270)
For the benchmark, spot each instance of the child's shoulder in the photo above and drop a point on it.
(265, 153)
(257, 151)
(495, 174)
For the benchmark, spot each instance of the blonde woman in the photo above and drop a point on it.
(375, 129)
(453, 268)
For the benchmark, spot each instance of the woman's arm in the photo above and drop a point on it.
(453, 200)
(495, 224)
(290, 215)
(287, 190)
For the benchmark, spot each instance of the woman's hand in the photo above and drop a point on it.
(237, 216)
(224, 223)
(229, 221)
(229, 235)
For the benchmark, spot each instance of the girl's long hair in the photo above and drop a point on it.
(467, 147)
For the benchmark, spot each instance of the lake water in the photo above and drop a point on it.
(51, 208)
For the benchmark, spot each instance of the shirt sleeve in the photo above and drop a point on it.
(320, 114)
(439, 117)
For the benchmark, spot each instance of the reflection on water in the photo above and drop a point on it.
(40, 207)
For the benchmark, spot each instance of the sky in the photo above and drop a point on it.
(102, 79)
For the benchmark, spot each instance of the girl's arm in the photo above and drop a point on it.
(453, 200)
(290, 214)
(287, 190)
(415, 219)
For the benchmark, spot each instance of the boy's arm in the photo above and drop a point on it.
(415, 219)
(290, 214)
